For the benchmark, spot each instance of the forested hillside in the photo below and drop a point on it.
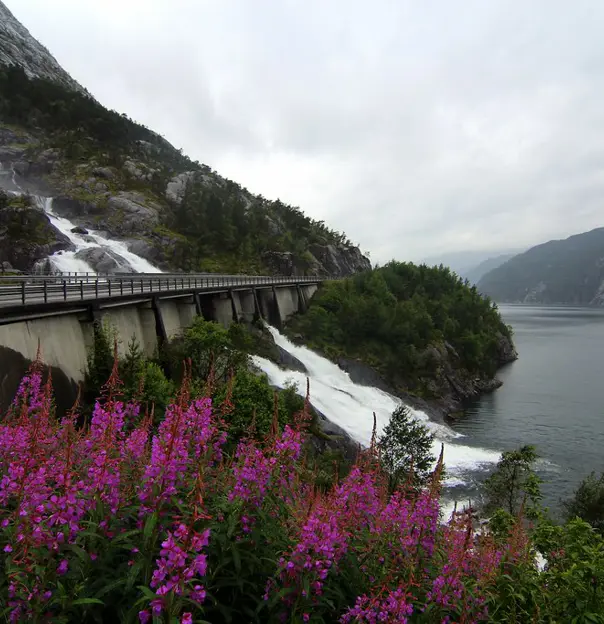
(112, 174)
(422, 327)
(569, 271)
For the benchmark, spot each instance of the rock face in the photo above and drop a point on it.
(340, 261)
(451, 388)
(27, 236)
(18, 47)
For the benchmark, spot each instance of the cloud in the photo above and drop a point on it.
(417, 128)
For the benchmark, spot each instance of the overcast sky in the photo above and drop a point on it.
(418, 127)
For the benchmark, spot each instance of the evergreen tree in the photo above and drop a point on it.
(405, 448)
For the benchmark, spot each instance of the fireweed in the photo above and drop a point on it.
(117, 521)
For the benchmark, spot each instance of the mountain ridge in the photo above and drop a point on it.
(561, 271)
(18, 47)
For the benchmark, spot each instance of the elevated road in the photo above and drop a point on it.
(24, 295)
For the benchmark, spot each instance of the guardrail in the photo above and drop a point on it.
(24, 290)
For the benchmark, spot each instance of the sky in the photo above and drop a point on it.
(420, 128)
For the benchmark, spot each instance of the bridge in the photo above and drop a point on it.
(61, 312)
(34, 296)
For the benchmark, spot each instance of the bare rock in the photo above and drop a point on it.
(177, 186)
(132, 213)
(104, 172)
(104, 260)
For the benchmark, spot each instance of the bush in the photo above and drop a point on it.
(587, 502)
(124, 522)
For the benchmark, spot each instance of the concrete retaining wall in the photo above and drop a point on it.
(223, 309)
(64, 340)
(61, 339)
(288, 302)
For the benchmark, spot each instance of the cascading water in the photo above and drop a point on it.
(71, 261)
(67, 261)
(351, 406)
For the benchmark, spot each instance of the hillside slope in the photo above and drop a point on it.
(423, 329)
(475, 274)
(569, 271)
(19, 48)
(112, 175)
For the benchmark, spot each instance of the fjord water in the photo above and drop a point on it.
(552, 396)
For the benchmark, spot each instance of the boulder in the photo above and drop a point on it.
(289, 361)
(79, 230)
(104, 172)
(103, 260)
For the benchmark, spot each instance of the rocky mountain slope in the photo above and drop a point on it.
(569, 271)
(120, 179)
(18, 47)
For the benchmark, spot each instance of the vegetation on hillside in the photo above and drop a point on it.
(406, 321)
(559, 271)
(219, 226)
(123, 519)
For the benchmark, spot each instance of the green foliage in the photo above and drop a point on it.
(100, 362)
(255, 401)
(77, 122)
(392, 317)
(514, 483)
(405, 448)
(569, 589)
(232, 230)
(587, 502)
(209, 347)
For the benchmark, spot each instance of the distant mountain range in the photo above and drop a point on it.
(472, 265)
(569, 271)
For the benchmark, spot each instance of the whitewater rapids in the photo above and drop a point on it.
(351, 407)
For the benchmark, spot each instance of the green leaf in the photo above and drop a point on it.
(86, 601)
(150, 525)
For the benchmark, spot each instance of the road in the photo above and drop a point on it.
(34, 290)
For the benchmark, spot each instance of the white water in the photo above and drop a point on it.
(351, 407)
(66, 261)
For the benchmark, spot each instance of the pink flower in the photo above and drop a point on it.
(63, 567)
(144, 616)
(187, 618)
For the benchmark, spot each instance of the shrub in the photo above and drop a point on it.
(121, 521)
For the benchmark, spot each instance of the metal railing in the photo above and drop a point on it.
(22, 290)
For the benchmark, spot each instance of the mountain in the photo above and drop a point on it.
(127, 184)
(464, 263)
(18, 47)
(569, 271)
(474, 275)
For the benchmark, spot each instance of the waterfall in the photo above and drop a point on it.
(75, 261)
(351, 406)
(67, 261)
